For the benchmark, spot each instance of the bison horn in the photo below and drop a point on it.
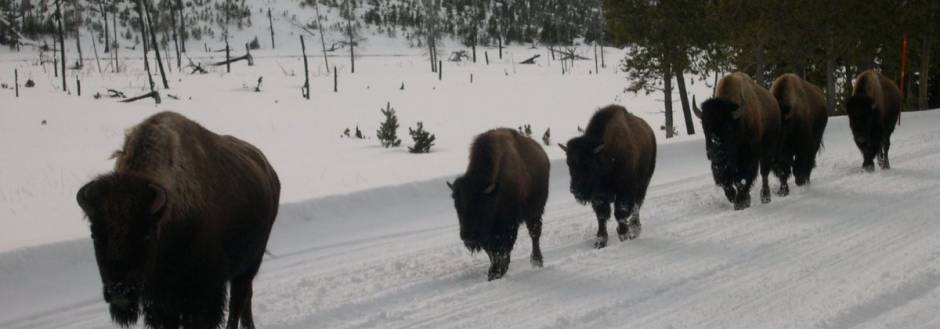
(598, 149)
(563, 147)
(159, 199)
(489, 189)
(450, 185)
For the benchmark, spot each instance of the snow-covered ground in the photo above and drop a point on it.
(854, 250)
(367, 237)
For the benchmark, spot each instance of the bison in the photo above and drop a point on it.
(874, 109)
(184, 212)
(742, 128)
(803, 108)
(506, 183)
(613, 162)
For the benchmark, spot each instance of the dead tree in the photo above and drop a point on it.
(153, 94)
(143, 34)
(326, 61)
(117, 46)
(94, 47)
(305, 90)
(349, 32)
(271, 26)
(531, 60)
(182, 27)
(153, 40)
(58, 18)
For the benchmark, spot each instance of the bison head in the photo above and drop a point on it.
(723, 136)
(123, 211)
(862, 114)
(589, 166)
(476, 204)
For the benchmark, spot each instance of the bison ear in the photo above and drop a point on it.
(159, 199)
(563, 147)
(451, 186)
(85, 197)
(598, 149)
(490, 189)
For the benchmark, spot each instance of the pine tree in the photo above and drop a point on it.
(388, 131)
(424, 140)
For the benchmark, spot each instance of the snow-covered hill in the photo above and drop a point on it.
(854, 250)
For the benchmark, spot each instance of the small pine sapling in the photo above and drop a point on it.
(359, 134)
(547, 137)
(388, 130)
(424, 140)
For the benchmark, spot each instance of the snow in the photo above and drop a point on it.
(367, 237)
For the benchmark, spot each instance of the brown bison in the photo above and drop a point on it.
(742, 128)
(506, 183)
(184, 212)
(874, 110)
(613, 162)
(803, 108)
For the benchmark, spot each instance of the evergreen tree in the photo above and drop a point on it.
(388, 130)
(424, 140)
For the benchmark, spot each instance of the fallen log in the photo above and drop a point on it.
(153, 94)
(531, 60)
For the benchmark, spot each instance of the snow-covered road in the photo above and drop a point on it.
(854, 250)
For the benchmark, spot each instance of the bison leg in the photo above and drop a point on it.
(240, 301)
(782, 170)
(625, 212)
(743, 185)
(803, 167)
(499, 264)
(883, 157)
(158, 316)
(730, 193)
(602, 210)
(535, 232)
(205, 308)
(765, 166)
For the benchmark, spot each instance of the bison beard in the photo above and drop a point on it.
(612, 163)
(184, 213)
(506, 183)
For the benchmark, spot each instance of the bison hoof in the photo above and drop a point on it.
(784, 190)
(765, 196)
(869, 167)
(801, 181)
(536, 261)
(600, 242)
(634, 230)
(742, 205)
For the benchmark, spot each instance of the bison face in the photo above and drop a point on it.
(723, 137)
(589, 168)
(123, 211)
(476, 209)
(862, 112)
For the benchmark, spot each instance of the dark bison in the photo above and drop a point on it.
(803, 108)
(184, 212)
(613, 162)
(874, 110)
(742, 129)
(506, 183)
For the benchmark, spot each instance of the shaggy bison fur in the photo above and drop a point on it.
(184, 213)
(506, 183)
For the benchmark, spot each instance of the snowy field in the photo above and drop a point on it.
(367, 237)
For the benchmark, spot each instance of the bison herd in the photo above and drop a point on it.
(183, 220)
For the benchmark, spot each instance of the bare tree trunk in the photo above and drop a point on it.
(143, 35)
(182, 27)
(349, 31)
(58, 15)
(78, 46)
(104, 13)
(667, 99)
(156, 46)
(924, 74)
(306, 88)
(326, 60)
(94, 48)
(117, 45)
(176, 42)
(830, 86)
(271, 26)
(759, 67)
(684, 98)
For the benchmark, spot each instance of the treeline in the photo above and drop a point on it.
(826, 42)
